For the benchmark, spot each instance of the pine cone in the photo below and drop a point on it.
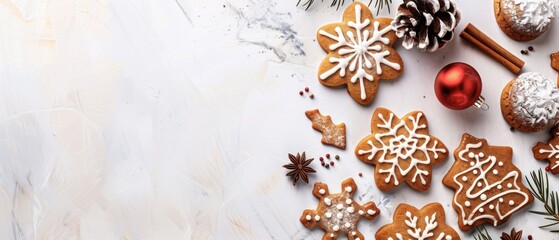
(426, 24)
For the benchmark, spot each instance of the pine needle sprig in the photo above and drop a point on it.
(379, 4)
(539, 187)
(482, 234)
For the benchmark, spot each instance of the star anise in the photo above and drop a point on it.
(514, 235)
(299, 167)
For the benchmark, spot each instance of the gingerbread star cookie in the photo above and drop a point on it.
(412, 224)
(401, 150)
(488, 187)
(332, 134)
(360, 53)
(549, 151)
(337, 213)
(555, 63)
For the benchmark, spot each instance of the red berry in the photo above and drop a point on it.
(301, 93)
(332, 163)
(321, 159)
(547, 169)
(327, 155)
(306, 89)
(311, 96)
(322, 163)
(530, 48)
(529, 237)
(360, 174)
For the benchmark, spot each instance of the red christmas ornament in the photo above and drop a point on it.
(458, 86)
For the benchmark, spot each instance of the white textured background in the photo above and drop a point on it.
(164, 119)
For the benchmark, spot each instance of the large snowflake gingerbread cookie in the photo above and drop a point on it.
(409, 223)
(360, 53)
(337, 213)
(401, 150)
(488, 187)
(549, 151)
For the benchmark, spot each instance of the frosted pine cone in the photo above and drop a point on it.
(426, 24)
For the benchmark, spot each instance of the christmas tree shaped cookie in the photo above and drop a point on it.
(488, 187)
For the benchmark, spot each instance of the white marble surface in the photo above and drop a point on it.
(154, 119)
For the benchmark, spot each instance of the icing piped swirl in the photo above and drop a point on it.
(529, 16)
(535, 100)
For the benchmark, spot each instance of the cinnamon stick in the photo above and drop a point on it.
(492, 48)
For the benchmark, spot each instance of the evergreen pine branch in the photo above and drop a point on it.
(379, 4)
(482, 234)
(539, 187)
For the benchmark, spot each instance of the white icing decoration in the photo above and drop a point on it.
(347, 225)
(415, 231)
(322, 191)
(348, 189)
(403, 146)
(340, 215)
(328, 201)
(495, 171)
(353, 233)
(317, 218)
(535, 100)
(485, 165)
(464, 178)
(491, 206)
(501, 164)
(336, 228)
(553, 152)
(348, 201)
(467, 203)
(483, 197)
(357, 53)
(529, 16)
(371, 212)
(511, 202)
(340, 206)
(361, 212)
(350, 209)
(328, 215)
(308, 217)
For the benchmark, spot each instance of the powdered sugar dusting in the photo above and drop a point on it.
(535, 100)
(530, 16)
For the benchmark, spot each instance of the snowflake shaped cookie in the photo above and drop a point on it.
(401, 150)
(360, 53)
(409, 223)
(337, 213)
(549, 151)
(488, 187)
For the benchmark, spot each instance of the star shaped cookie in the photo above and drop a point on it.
(549, 151)
(488, 187)
(413, 224)
(360, 53)
(337, 214)
(401, 150)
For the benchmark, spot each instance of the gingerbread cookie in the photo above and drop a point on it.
(549, 151)
(488, 187)
(555, 63)
(524, 20)
(360, 53)
(332, 134)
(530, 103)
(401, 150)
(409, 223)
(337, 213)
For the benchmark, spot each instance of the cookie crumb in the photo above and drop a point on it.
(337, 157)
(530, 48)
(311, 96)
(327, 166)
(524, 52)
